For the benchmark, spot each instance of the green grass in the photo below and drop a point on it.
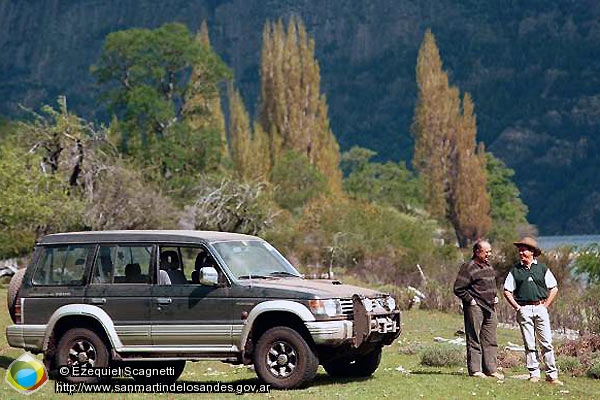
(420, 327)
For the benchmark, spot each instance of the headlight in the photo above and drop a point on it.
(330, 307)
(368, 303)
(390, 303)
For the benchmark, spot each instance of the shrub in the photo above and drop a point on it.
(231, 206)
(120, 198)
(443, 356)
(569, 364)
(378, 240)
(581, 346)
(296, 181)
(410, 348)
(594, 370)
(509, 359)
(440, 297)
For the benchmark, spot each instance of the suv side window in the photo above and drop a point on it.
(62, 265)
(123, 264)
(184, 265)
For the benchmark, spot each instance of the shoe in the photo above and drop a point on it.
(478, 374)
(534, 379)
(554, 382)
(496, 375)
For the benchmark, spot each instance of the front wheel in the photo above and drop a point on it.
(284, 360)
(358, 366)
(80, 347)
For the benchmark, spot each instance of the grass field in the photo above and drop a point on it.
(388, 382)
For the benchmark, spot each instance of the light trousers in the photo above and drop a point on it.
(535, 327)
(482, 345)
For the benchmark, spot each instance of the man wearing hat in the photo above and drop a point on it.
(530, 288)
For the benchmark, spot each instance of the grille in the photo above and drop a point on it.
(347, 307)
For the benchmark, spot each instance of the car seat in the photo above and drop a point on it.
(169, 261)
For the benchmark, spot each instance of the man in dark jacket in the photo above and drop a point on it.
(530, 288)
(475, 285)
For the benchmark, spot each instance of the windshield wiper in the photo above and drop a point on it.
(254, 277)
(283, 273)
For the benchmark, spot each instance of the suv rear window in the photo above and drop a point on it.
(62, 265)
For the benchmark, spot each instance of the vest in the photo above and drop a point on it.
(530, 283)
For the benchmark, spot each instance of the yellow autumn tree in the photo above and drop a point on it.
(446, 153)
(293, 111)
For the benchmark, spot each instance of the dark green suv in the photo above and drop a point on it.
(161, 298)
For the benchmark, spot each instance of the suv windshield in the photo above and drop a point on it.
(254, 258)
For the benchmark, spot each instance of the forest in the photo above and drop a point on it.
(180, 150)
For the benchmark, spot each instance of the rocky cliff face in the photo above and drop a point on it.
(533, 68)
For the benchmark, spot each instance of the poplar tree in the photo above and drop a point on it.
(469, 208)
(293, 112)
(249, 148)
(436, 106)
(239, 133)
(446, 154)
(202, 109)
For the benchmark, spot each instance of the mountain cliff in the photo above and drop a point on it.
(532, 66)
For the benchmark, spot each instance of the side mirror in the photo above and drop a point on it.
(209, 274)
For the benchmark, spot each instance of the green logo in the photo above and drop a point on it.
(26, 374)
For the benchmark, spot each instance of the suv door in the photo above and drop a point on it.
(190, 312)
(58, 279)
(120, 284)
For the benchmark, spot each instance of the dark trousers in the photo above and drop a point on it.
(482, 345)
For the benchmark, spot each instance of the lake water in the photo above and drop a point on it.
(552, 242)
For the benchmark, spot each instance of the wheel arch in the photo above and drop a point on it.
(80, 315)
(275, 313)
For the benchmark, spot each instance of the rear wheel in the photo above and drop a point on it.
(283, 359)
(83, 348)
(13, 292)
(358, 366)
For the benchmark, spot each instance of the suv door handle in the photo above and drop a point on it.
(163, 301)
(97, 300)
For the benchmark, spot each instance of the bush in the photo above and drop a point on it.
(379, 241)
(583, 345)
(410, 348)
(569, 365)
(594, 370)
(231, 206)
(439, 296)
(509, 359)
(443, 356)
(120, 198)
(296, 181)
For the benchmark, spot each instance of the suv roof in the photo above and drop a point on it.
(142, 236)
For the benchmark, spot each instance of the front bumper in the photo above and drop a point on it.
(371, 328)
(330, 332)
(374, 326)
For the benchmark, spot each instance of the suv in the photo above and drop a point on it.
(161, 298)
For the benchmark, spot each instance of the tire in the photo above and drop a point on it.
(359, 366)
(284, 360)
(178, 367)
(13, 292)
(84, 348)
